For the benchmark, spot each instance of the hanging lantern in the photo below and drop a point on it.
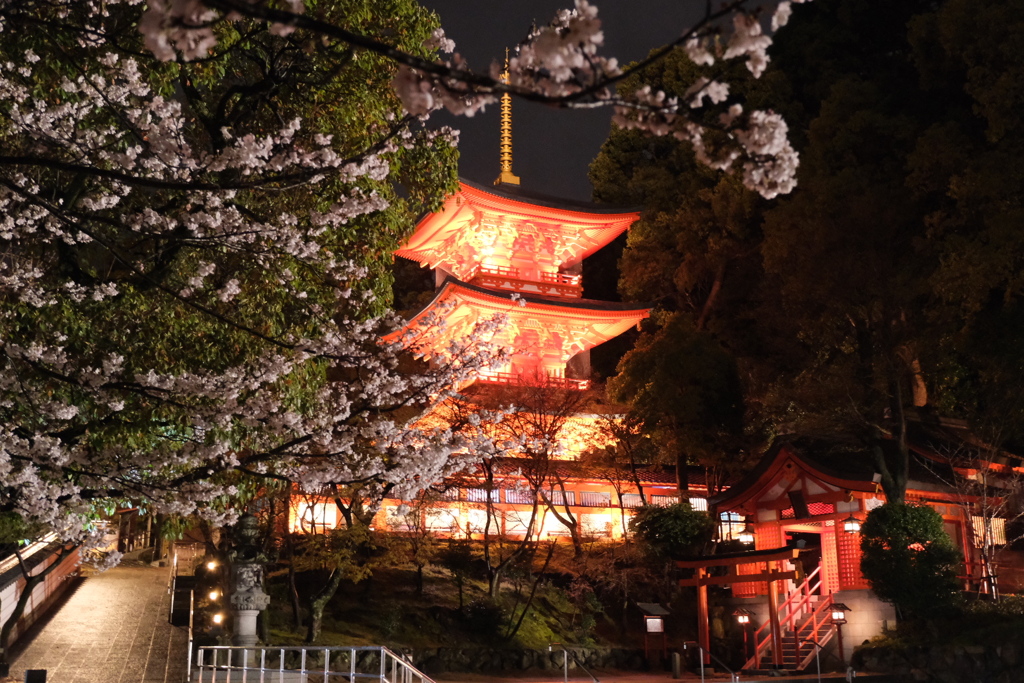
(851, 525)
(746, 536)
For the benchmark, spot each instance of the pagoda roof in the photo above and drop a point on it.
(481, 225)
(584, 323)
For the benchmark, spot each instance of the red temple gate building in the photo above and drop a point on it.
(812, 494)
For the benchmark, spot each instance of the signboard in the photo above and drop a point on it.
(655, 624)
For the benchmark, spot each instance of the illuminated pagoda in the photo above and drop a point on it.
(495, 251)
(502, 249)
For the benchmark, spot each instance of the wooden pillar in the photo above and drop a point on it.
(703, 623)
(773, 616)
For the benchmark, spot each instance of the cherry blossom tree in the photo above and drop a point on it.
(190, 281)
(196, 199)
(558, 64)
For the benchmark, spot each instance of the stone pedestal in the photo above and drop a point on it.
(245, 627)
(247, 600)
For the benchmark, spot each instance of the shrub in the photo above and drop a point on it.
(909, 560)
(675, 530)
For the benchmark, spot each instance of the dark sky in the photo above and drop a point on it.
(551, 148)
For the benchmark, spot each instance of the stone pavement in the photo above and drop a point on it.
(112, 628)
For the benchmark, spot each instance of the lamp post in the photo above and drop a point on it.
(743, 619)
(839, 611)
(746, 536)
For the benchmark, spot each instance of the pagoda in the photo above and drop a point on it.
(505, 250)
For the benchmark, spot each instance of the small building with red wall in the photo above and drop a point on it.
(813, 493)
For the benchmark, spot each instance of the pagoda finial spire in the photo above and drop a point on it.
(506, 177)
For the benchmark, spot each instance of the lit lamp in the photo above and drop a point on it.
(211, 565)
(217, 627)
(746, 536)
(743, 619)
(851, 525)
(654, 625)
(214, 595)
(839, 611)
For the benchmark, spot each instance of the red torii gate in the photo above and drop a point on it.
(771, 573)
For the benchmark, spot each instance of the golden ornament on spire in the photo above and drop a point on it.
(506, 176)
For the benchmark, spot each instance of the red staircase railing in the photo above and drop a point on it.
(794, 616)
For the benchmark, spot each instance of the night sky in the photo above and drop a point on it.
(551, 148)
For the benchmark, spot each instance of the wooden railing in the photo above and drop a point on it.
(550, 380)
(792, 618)
(565, 284)
(561, 278)
(811, 631)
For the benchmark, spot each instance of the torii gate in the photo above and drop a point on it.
(771, 573)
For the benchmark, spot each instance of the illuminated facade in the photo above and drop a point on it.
(811, 496)
(505, 251)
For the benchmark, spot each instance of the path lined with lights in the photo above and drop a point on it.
(113, 628)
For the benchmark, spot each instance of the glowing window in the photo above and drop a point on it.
(519, 497)
(558, 497)
(481, 495)
(996, 534)
(595, 499)
(632, 500)
(596, 525)
(477, 520)
(442, 520)
(731, 525)
(395, 521)
(316, 518)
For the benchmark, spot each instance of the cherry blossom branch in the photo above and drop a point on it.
(556, 65)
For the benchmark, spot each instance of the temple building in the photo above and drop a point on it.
(504, 250)
(501, 250)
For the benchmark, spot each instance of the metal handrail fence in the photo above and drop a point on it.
(733, 676)
(566, 653)
(244, 664)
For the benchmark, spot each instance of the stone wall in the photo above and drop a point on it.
(946, 663)
(444, 659)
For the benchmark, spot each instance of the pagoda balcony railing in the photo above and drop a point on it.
(562, 278)
(501, 271)
(550, 380)
(507, 277)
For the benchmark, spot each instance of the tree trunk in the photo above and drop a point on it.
(682, 477)
(712, 299)
(494, 585)
(293, 590)
(318, 602)
(263, 625)
(158, 537)
(533, 592)
(19, 608)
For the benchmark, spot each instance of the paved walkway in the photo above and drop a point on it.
(112, 628)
